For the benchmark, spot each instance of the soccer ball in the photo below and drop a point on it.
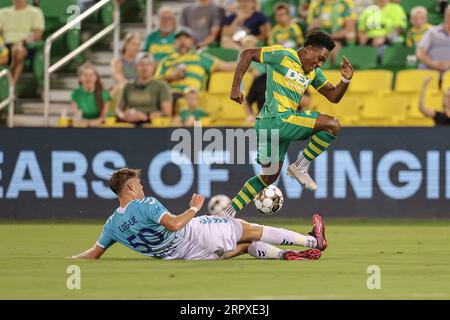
(270, 200)
(218, 203)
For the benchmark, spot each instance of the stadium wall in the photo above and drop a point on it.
(367, 172)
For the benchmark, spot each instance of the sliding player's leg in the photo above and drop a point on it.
(322, 129)
(279, 236)
(262, 250)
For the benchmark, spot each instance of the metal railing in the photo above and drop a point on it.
(149, 17)
(10, 100)
(49, 69)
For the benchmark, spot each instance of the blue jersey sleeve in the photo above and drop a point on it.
(153, 209)
(106, 239)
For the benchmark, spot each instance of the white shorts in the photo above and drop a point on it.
(208, 238)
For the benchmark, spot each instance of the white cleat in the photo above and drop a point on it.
(302, 177)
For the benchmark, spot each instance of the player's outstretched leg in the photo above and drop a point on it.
(325, 131)
(251, 188)
(262, 250)
(279, 236)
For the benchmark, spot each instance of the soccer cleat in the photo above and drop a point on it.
(302, 177)
(310, 254)
(318, 232)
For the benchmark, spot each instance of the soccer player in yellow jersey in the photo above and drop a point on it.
(289, 74)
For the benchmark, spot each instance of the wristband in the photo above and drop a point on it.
(346, 80)
(194, 209)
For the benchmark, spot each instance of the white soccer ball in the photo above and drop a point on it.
(270, 200)
(218, 203)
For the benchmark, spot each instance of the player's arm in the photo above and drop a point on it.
(245, 59)
(175, 223)
(93, 253)
(334, 94)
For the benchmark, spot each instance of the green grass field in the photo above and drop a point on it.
(414, 258)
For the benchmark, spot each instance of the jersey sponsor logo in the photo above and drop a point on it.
(298, 77)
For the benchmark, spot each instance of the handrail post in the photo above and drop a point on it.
(116, 19)
(149, 16)
(47, 51)
(11, 100)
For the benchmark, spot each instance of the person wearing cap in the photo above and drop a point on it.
(160, 42)
(187, 67)
(193, 112)
(146, 98)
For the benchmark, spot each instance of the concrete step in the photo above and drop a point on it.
(37, 108)
(71, 82)
(22, 120)
(101, 57)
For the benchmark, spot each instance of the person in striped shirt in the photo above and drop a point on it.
(187, 68)
(286, 32)
(278, 124)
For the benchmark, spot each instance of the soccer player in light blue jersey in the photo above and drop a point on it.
(144, 225)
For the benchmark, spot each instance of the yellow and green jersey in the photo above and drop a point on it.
(414, 35)
(160, 47)
(197, 67)
(332, 14)
(286, 81)
(289, 36)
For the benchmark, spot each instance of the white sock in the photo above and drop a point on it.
(286, 237)
(262, 250)
(302, 163)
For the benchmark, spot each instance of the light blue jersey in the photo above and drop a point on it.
(138, 227)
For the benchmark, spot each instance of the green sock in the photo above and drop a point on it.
(318, 144)
(251, 188)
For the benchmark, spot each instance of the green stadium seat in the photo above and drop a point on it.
(361, 57)
(399, 57)
(224, 54)
(409, 4)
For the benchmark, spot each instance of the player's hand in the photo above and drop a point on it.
(197, 201)
(237, 96)
(346, 69)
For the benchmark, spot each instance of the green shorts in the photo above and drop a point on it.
(284, 129)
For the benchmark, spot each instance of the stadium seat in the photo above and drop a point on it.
(409, 4)
(230, 110)
(361, 57)
(384, 111)
(371, 81)
(446, 81)
(220, 82)
(411, 81)
(399, 57)
(333, 76)
(347, 111)
(224, 54)
(433, 100)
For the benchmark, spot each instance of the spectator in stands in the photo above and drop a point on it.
(22, 25)
(90, 102)
(335, 17)
(145, 99)
(188, 68)
(433, 50)
(160, 43)
(286, 32)
(268, 7)
(378, 28)
(247, 20)
(193, 112)
(204, 19)
(124, 66)
(440, 118)
(419, 25)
